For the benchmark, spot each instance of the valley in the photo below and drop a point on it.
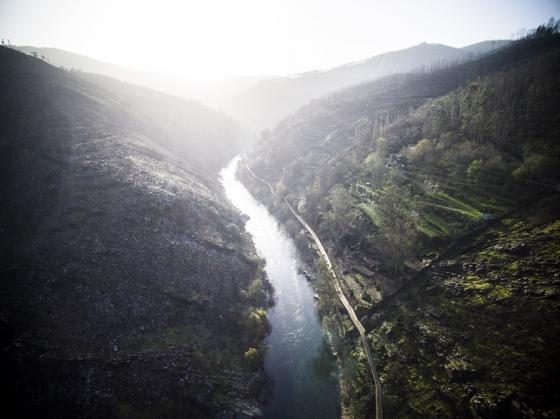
(380, 238)
(301, 367)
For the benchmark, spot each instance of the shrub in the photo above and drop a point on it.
(252, 357)
(256, 291)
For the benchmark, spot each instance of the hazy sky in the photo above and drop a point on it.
(258, 37)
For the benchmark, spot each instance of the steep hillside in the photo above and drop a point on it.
(437, 195)
(477, 334)
(205, 138)
(128, 288)
(212, 91)
(71, 60)
(268, 101)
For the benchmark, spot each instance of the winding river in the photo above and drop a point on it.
(297, 359)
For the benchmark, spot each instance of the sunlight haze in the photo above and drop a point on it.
(252, 37)
(280, 209)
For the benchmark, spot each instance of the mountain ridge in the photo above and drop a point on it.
(263, 104)
(211, 91)
(390, 173)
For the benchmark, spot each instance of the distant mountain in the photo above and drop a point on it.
(267, 101)
(211, 91)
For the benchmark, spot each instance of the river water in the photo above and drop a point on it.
(297, 358)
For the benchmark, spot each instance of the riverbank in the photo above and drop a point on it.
(296, 357)
(470, 335)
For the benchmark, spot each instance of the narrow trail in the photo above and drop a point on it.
(343, 300)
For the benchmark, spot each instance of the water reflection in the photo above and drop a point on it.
(297, 358)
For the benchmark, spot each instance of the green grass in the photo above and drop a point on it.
(427, 230)
(429, 223)
(369, 211)
(472, 215)
(432, 225)
(466, 209)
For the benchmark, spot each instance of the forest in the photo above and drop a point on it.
(430, 190)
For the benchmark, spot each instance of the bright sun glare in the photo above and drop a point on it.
(255, 37)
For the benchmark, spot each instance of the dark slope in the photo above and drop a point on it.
(205, 138)
(121, 265)
(268, 101)
(391, 172)
(477, 335)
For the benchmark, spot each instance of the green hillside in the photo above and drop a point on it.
(437, 195)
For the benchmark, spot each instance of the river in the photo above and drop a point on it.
(297, 359)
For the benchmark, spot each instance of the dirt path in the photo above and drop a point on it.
(343, 300)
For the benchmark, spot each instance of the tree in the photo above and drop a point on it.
(253, 357)
(374, 163)
(395, 216)
(313, 197)
(337, 221)
(420, 153)
(474, 171)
